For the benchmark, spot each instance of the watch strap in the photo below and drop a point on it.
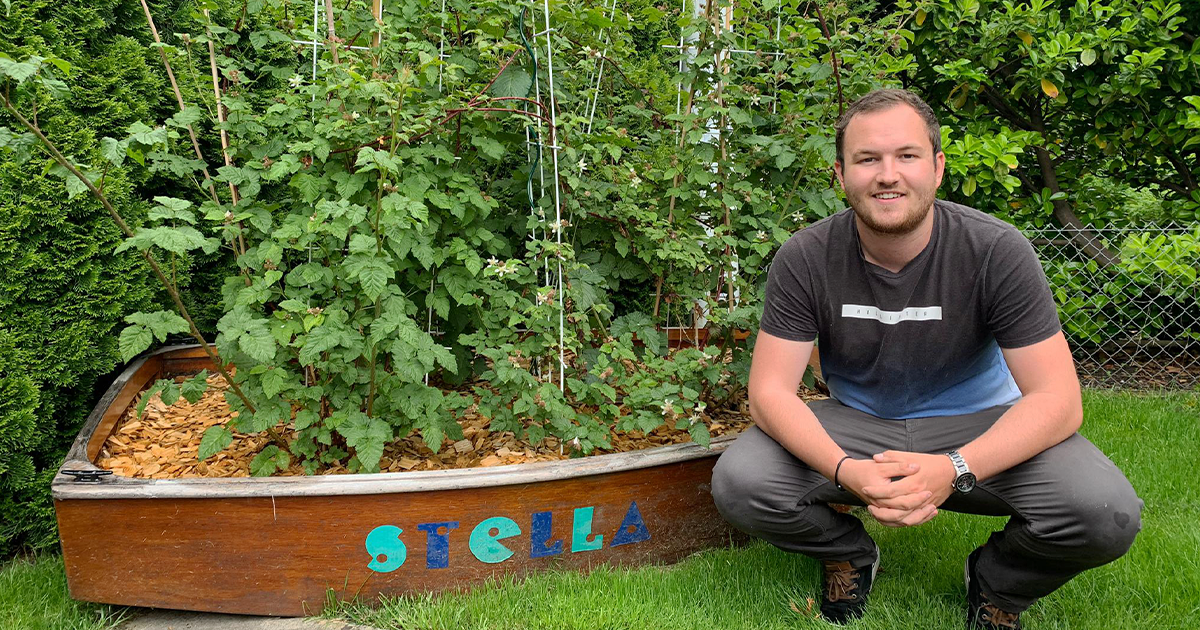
(960, 464)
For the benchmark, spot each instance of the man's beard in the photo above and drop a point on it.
(918, 207)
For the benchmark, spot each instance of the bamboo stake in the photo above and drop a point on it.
(332, 33)
(212, 189)
(212, 62)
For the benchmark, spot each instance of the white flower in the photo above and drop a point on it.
(296, 81)
(762, 236)
(755, 99)
(634, 180)
(575, 442)
(582, 166)
(667, 407)
(354, 115)
(504, 268)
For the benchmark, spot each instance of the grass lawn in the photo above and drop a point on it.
(33, 595)
(1154, 439)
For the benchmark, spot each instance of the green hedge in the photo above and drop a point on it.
(63, 293)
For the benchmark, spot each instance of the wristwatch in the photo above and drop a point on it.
(964, 479)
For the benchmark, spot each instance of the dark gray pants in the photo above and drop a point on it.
(1071, 508)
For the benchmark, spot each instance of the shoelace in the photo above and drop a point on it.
(840, 582)
(998, 618)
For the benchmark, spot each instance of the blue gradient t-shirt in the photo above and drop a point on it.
(924, 341)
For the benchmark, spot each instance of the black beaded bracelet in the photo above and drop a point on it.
(838, 470)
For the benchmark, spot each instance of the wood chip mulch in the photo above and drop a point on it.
(165, 441)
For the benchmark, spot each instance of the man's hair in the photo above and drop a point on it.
(879, 100)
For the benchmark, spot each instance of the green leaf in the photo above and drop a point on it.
(371, 271)
(19, 71)
(700, 434)
(431, 432)
(273, 381)
(113, 150)
(193, 389)
(368, 436)
(185, 117)
(514, 81)
(1087, 57)
(177, 240)
(170, 393)
(258, 342)
(488, 146)
(269, 460)
(133, 341)
(161, 323)
(215, 439)
(308, 186)
(158, 387)
(143, 135)
(305, 418)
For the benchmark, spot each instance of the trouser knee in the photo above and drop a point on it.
(746, 501)
(1096, 530)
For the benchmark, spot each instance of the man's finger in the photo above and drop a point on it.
(887, 516)
(893, 489)
(889, 456)
(919, 517)
(902, 518)
(897, 469)
(905, 502)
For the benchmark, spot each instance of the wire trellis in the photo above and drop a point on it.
(534, 143)
(1134, 324)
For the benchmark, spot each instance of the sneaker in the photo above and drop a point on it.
(982, 613)
(845, 589)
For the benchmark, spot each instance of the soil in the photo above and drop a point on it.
(164, 442)
(1180, 371)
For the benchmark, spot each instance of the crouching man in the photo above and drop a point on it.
(952, 387)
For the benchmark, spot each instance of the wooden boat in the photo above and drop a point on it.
(281, 546)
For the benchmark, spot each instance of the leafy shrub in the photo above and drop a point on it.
(1151, 294)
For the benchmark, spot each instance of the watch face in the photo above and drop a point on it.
(965, 483)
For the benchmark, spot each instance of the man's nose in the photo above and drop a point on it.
(887, 173)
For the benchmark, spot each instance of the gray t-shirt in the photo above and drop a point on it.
(922, 342)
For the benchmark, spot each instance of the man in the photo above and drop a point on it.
(952, 387)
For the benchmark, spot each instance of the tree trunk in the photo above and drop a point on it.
(1084, 238)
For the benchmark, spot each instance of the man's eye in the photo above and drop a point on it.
(865, 160)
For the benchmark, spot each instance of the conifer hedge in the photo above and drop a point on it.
(63, 292)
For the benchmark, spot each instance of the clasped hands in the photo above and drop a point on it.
(901, 489)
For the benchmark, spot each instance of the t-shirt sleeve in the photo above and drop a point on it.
(788, 311)
(1018, 303)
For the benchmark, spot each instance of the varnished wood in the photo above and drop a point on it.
(277, 546)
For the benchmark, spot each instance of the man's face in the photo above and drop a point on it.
(890, 173)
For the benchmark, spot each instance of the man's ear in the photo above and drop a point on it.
(939, 165)
(837, 170)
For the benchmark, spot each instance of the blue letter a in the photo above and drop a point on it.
(633, 528)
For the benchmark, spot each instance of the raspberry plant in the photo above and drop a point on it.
(393, 220)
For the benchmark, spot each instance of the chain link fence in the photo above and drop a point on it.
(1129, 301)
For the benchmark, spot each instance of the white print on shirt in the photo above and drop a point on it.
(917, 314)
